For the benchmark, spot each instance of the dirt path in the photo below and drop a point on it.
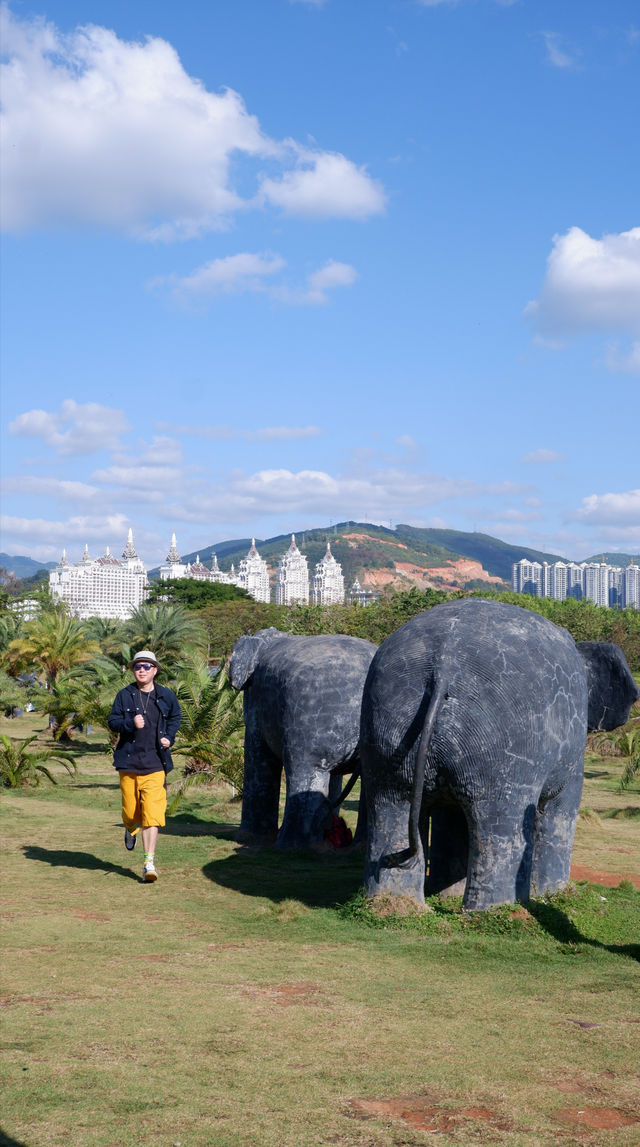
(596, 876)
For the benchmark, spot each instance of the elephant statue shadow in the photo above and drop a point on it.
(318, 880)
(302, 698)
(474, 723)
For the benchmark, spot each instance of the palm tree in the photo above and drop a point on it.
(170, 631)
(54, 643)
(83, 696)
(211, 731)
(13, 695)
(110, 634)
(19, 766)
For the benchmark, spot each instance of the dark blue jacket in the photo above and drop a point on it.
(125, 707)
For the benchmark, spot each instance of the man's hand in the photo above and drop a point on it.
(138, 721)
(165, 742)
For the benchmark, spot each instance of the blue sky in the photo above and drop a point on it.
(274, 263)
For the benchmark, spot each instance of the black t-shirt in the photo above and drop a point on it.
(145, 757)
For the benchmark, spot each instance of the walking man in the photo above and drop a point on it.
(147, 717)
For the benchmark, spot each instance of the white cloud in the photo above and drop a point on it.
(263, 434)
(79, 428)
(83, 529)
(103, 131)
(235, 274)
(230, 275)
(324, 186)
(623, 362)
(542, 456)
(435, 3)
(557, 54)
(407, 442)
(377, 494)
(50, 488)
(590, 284)
(611, 509)
(332, 275)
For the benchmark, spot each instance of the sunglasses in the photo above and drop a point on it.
(143, 665)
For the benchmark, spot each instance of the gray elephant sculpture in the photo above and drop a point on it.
(474, 722)
(302, 699)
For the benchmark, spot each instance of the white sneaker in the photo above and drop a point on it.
(149, 873)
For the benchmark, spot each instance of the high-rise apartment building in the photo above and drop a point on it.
(598, 582)
(526, 577)
(328, 582)
(106, 587)
(292, 583)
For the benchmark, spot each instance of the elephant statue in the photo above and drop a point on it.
(302, 699)
(474, 722)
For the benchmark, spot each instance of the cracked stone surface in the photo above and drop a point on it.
(302, 698)
(494, 702)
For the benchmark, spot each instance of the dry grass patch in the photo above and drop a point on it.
(273, 1015)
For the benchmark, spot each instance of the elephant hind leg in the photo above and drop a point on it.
(500, 852)
(390, 867)
(448, 851)
(555, 826)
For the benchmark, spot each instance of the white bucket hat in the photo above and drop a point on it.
(144, 655)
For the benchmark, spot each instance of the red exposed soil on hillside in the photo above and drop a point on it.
(452, 576)
(380, 541)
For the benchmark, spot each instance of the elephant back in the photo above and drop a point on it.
(506, 679)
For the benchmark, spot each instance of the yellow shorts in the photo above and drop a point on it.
(144, 800)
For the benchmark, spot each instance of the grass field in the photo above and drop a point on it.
(247, 998)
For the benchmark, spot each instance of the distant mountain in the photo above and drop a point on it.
(495, 557)
(377, 556)
(22, 567)
(615, 559)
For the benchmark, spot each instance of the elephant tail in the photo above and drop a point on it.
(421, 762)
(347, 788)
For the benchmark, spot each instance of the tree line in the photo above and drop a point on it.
(71, 669)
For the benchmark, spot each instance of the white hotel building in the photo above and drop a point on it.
(292, 584)
(598, 582)
(328, 582)
(106, 587)
(111, 587)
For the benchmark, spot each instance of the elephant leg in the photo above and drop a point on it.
(261, 790)
(500, 850)
(307, 811)
(448, 851)
(360, 835)
(336, 785)
(555, 826)
(389, 868)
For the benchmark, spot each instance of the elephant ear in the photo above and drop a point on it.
(246, 654)
(244, 658)
(612, 689)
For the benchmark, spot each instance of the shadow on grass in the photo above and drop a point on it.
(319, 880)
(84, 748)
(557, 924)
(64, 858)
(7, 1141)
(186, 824)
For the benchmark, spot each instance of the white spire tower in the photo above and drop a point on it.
(328, 582)
(253, 575)
(293, 577)
(173, 566)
